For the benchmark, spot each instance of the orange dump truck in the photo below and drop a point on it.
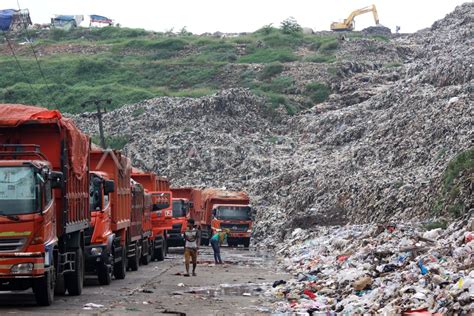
(161, 209)
(116, 237)
(220, 210)
(184, 201)
(44, 199)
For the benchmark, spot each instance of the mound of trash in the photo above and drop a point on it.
(377, 150)
(391, 269)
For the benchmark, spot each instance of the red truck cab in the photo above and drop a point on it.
(44, 186)
(221, 210)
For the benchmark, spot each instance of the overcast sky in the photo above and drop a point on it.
(201, 16)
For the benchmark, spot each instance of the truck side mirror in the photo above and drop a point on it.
(214, 212)
(109, 186)
(56, 178)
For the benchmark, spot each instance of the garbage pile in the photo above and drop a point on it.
(376, 150)
(388, 269)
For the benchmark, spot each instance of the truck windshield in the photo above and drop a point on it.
(179, 208)
(17, 191)
(233, 212)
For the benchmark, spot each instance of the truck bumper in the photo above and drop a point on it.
(174, 240)
(96, 255)
(20, 266)
(239, 235)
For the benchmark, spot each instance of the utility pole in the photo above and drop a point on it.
(97, 103)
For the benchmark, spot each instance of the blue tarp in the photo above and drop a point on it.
(6, 17)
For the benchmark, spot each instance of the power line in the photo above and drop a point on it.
(34, 52)
(21, 68)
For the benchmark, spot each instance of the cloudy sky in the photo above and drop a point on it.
(201, 16)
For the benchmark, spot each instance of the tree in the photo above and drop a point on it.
(290, 26)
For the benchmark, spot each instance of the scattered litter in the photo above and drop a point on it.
(181, 284)
(246, 294)
(90, 306)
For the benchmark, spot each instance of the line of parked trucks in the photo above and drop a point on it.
(69, 208)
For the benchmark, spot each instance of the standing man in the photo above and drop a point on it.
(192, 239)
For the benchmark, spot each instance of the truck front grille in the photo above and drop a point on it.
(176, 228)
(11, 244)
(235, 227)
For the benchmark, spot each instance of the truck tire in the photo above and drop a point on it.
(120, 268)
(43, 288)
(205, 242)
(134, 262)
(75, 281)
(160, 253)
(246, 242)
(60, 286)
(103, 274)
(147, 257)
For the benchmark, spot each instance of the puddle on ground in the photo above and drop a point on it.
(229, 290)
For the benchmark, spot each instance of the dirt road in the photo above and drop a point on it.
(158, 289)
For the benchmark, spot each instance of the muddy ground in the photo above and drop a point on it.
(230, 289)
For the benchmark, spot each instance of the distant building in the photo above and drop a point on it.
(61, 21)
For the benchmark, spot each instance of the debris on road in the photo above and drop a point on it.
(90, 306)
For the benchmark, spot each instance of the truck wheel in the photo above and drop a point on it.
(205, 242)
(147, 257)
(120, 268)
(75, 281)
(247, 242)
(60, 286)
(135, 261)
(161, 252)
(103, 274)
(44, 289)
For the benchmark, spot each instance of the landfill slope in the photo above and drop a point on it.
(375, 151)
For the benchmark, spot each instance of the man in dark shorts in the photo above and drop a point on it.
(192, 239)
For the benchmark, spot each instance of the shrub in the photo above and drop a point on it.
(318, 92)
(290, 26)
(463, 161)
(328, 46)
(271, 70)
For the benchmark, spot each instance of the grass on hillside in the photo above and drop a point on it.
(138, 64)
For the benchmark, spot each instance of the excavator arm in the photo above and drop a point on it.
(348, 24)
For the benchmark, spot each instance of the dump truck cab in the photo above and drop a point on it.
(180, 214)
(99, 237)
(221, 209)
(237, 219)
(27, 221)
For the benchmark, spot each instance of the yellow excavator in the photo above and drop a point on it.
(349, 23)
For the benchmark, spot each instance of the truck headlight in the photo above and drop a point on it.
(21, 268)
(218, 230)
(249, 230)
(96, 251)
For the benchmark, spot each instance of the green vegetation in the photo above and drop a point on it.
(113, 142)
(462, 162)
(436, 224)
(318, 92)
(271, 70)
(129, 65)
